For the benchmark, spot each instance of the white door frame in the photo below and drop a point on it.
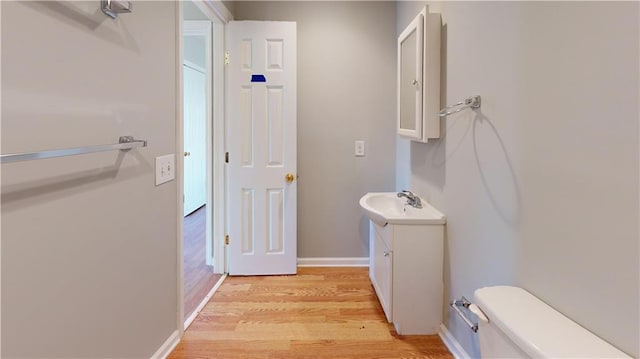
(219, 16)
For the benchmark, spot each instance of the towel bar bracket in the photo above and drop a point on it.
(130, 139)
(465, 303)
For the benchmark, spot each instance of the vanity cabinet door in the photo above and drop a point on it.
(380, 271)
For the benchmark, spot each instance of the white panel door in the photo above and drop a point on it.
(261, 138)
(195, 139)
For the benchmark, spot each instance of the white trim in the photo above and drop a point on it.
(218, 185)
(214, 10)
(1, 205)
(179, 177)
(334, 262)
(452, 344)
(167, 347)
(204, 302)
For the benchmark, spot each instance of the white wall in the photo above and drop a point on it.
(540, 187)
(89, 257)
(230, 5)
(191, 12)
(346, 91)
(194, 50)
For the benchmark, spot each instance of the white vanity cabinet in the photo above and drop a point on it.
(405, 267)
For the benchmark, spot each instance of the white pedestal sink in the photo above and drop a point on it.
(386, 208)
(405, 261)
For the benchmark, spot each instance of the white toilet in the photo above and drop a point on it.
(515, 324)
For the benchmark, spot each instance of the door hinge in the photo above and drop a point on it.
(226, 157)
(226, 240)
(226, 57)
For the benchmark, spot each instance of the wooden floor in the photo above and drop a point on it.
(319, 313)
(198, 276)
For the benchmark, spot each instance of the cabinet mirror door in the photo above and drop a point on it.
(410, 87)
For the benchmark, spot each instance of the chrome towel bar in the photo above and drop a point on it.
(471, 102)
(124, 143)
(464, 302)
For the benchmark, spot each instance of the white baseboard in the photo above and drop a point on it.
(204, 302)
(167, 347)
(452, 344)
(334, 262)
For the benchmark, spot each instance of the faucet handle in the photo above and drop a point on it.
(408, 192)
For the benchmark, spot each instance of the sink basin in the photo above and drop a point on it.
(386, 208)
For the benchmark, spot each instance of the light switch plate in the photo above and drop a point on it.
(165, 169)
(359, 150)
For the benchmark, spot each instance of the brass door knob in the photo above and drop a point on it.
(289, 177)
(187, 154)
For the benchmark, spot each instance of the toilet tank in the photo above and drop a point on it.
(522, 326)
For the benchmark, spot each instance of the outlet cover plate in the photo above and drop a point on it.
(359, 148)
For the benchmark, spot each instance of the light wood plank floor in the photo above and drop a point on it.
(318, 313)
(198, 276)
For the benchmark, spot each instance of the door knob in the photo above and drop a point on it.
(187, 154)
(289, 177)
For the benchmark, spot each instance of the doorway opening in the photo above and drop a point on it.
(202, 257)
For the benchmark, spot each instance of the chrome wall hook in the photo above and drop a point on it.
(114, 7)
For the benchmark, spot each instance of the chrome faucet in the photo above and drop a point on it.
(412, 199)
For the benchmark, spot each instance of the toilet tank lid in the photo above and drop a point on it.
(539, 330)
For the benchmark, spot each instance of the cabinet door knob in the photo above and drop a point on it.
(187, 154)
(386, 254)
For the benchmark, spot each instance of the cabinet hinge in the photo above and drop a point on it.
(226, 57)
(226, 157)
(226, 240)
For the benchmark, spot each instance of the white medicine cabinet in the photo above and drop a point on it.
(419, 78)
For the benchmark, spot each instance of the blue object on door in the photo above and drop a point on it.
(258, 78)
